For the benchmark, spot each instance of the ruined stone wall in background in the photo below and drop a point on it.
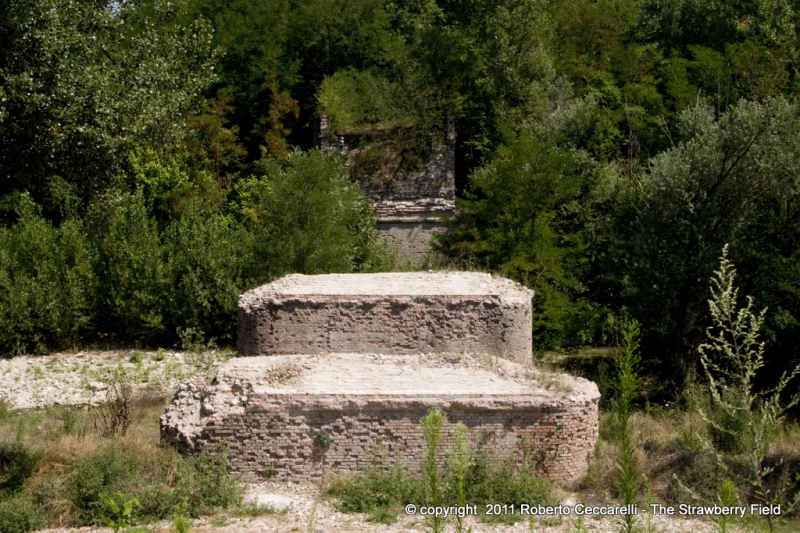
(410, 206)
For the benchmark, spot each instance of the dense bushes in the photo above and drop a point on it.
(122, 271)
(47, 283)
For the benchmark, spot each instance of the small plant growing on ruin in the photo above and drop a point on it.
(625, 385)
(458, 459)
(324, 438)
(432, 425)
(731, 359)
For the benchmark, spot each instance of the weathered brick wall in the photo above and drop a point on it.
(279, 435)
(276, 319)
(413, 240)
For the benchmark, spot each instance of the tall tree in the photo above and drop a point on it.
(82, 82)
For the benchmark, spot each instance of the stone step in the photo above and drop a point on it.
(395, 313)
(300, 417)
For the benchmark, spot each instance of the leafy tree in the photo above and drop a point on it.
(695, 197)
(306, 217)
(519, 223)
(81, 83)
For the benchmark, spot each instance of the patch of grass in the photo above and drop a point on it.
(254, 510)
(56, 475)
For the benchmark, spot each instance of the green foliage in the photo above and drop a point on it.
(130, 267)
(324, 438)
(519, 222)
(99, 475)
(208, 266)
(47, 285)
(20, 514)
(354, 100)
(85, 82)
(459, 462)
(727, 496)
(432, 425)
(17, 463)
(377, 493)
(121, 510)
(491, 480)
(697, 196)
(179, 520)
(625, 386)
(382, 494)
(155, 177)
(305, 217)
(205, 484)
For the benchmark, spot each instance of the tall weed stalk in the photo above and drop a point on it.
(731, 359)
(432, 425)
(625, 385)
(458, 459)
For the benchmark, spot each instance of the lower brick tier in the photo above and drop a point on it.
(303, 438)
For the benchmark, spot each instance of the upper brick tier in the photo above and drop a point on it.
(397, 313)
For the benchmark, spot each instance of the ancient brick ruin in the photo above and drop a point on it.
(397, 313)
(411, 205)
(328, 392)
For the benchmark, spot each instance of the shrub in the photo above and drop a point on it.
(378, 493)
(17, 463)
(205, 484)
(490, 480)
(114, 416)
(207, 259)
(130, 267)
(307, 217)
(100, 475)
(47, 286)
(20, 515)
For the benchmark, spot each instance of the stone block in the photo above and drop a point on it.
(397, 313)
(368, 407)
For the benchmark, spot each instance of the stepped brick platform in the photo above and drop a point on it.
(398, 313)
(298, 417)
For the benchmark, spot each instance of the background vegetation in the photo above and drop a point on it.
(155, 158)
(156, 161)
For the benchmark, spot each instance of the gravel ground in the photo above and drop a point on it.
(34, 382)
(299, 508)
